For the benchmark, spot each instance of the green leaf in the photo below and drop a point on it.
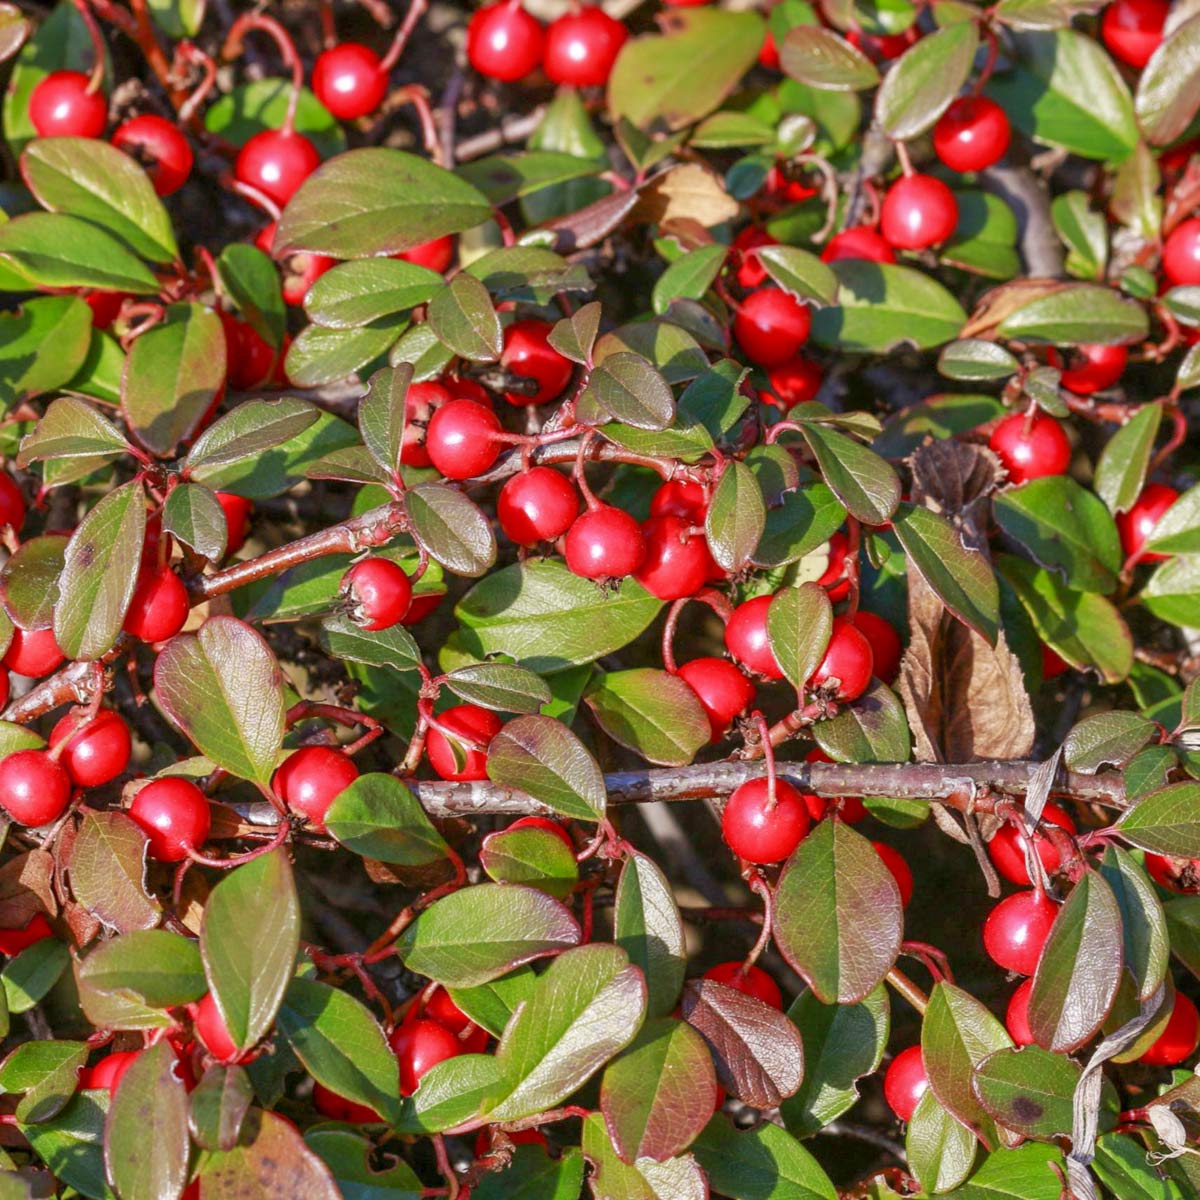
(588, 1005)
(349, 1156)
(248, 941)
(29, 580)
(1029, 1090)
(503, 178)
(534, 1175)
(88, 178)
(688, 277)
(152, 966)
(976, 361)
(218, 1106)
(543, 758)
(927, 77)
(884, 306)
(357, 293)
(393, 647)
(984, 240)
(1126, 1170)
(574, 336)
(381, 414)
(651, 712)
(70, 429)
(28, 977)
(648, 927)
(222, 688)
(940, 1150)
(451, 527)
(1083, 232)
(45, 1075)
(146, 1134)
(1146, 943)
(630, 390)
(736, 517)
(1123, 463)
(1110, 737)
(799, 623)
(872, 729)
(53, 250)
(801, 523)
(492, 1005)
(251, 281)
(536, 857)
(500, 686)
(763, 1163)
(452, 1092)
(1171, 592)
(377, 201)
(321, 356)
(172, 376)
(462, 317)
(1166, 821)
(108, 865)
(378, 817)
(479, 933)
(676, 79)
(549, 619)
(1077, 313)
(838, 919)
(249, 108)
(194, 516)
(824, 60)
(71, 1144)
(41, 347)
(679, 1178)
(1168, 90)
(1177, 531)
(177, 18)
(799, 272)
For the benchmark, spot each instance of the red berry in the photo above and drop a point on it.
(1181, 254)
(108, 1072)
(901, 871)
(768, 56)
(833, 579)
(159, 606)
(919, 211)
(746, 637)
(972, 134)
(461, 439)
(771, 326)
(1016, 1016)
(440, 1008)
(160, 147)
(420, 1045)
(534, 823)
(759, 832)
(581, 47)
(677, 563)
(1175, 874)
(12, 503)
(1016, 930)
(13, 941)
(884, 46)
(338, 1108)
(1031, 448)
(1052, 665)
(472, 723)
(211, 1029)
(422, 400)
(95, 751)
(64, 105)
(848, 661)
(276, 163)
(250, 362)
(528, 355)
(423, 603)
(311, 779)
(32, 652)
(105, 306)
(377, 593)
(1094, 368)
(750, 273)
(1138, 524)
(349, 80)
(539, 505)
(237, 510)
(859, 241)
(1133, 29)
(905, 1082)
(750, 981)
(175, 816)
(794, 381)
(886, 648)
(604, 543)
(1007, 847)
(784, 190)
(723, 691)
(680, 498)
(435, 255)
(1178, 1039)
(504, 42)
(300, 271)
(34, 789)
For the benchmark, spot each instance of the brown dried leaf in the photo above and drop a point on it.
(25, 888)
(688, 191)
(1001, 302)
(953, 477)
(592, 224)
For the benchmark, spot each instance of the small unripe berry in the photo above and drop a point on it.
(34, 789)
(472, 723)
(538, 505)
(762, 832)
(751, 981)
(604, 543)
(1030, 448)
(1016, 930)
(918, 211)
(746, 638)
(905, 1082)
(723, 691)
(377, 593)
(159, 607)
(175, 816)
(64, 105)
(94, 752)
(310, 779)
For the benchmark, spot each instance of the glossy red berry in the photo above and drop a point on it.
(4, 688)
(886, 648)
(237, 510)
(918, 211)
(338, 1108)
(1175, 874)
(972, 134)
(884, 46)
(582, 46)
(12, 503)
(758, 831)
(13, 941)
(108, 1072)
(905, 1082)
(746, 637)
(1138, 524)
(750, 981)
(1052, 664)
(1133, 29)
(543, 823)
(784, 190)
(94, 752)
(461, 440)
(159, 607)
(768, 55)
(680, 498)
(250, 361)
(1007, 847)
(848, 663)
(174, 814)
(435, 255)
(276, 163)
(750, 272)
(211, 1029)
(34, 789)
(504, 42)
(859, 241)
(539, 505)
(1181, 254)
(677, 562)
(604, 543)
(160, 147)
(310, 779)
(32, 652)
(771, 325)
(1016, 930)
(1178, 1040)
(65, 105)
(1016, 1016)
(106, 306)
(299, 271)
(418, 1046)
(377, 593)
(724, 692)
(1092, 368)
(349, 80)
(472, 723)
(1030, 448)
(898, 866)
(833, 578)
(794, 381)
(528, 354)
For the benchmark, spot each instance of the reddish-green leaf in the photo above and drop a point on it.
(152, 966)
(218, 1106)
(799, 623)
(824, 60)
(939, 1148)
(763, 1163)
(42, 346)
(611, 1179)
(653, 713)
(107, 865)
(1029, 1090)
(378, 817)
(736, 517)
(930, 73)
(647, 926)
(542, 757)
(452, 528)
(535, 857)
(1168, 91)
(1166, 821)
(462, 317)
(70, 429)
(271, 1161)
